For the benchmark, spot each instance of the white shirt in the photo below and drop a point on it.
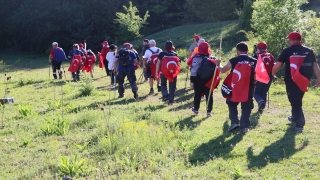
(148, 53)
(111, 58)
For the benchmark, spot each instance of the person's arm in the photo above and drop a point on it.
(144, 60)
(225, 68)
(115, 65)
(276, 68)
(316, 71)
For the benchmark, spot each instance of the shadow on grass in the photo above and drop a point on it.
(218, 147)
(275, 152)
(181, 100)
(188, 123)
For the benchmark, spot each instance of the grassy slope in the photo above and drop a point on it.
(147, 139)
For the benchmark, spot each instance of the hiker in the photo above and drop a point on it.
(76, 63)
(111, 55)
(193, 45)
(241, 83)
(195, 52)
(261, 89)
(136, 66)
(150, 58)
(300, 64)
(145, 46)
(56, 57)
(200, 76)
(89, 62)
(169, 66)
(104, 51)
(124, 66)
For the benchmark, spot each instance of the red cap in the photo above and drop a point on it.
(262, 45)
(294, 36)
(203, 48)
(127, 45)
(196, 37)
(80, 45)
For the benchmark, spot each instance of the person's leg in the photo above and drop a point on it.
(233, 114)
(105, 63)
(258, 92)
(121, 77)
(207, 91)
(295, 96)
(132, 79)
(54, 69)
(58, 65)
(164, 90)
(197, 96)
(112, 76)
(172, 89)
(246, 108)
(266, 88)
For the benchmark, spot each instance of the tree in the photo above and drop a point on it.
(130, 23)
(273, 20)
(245, 15)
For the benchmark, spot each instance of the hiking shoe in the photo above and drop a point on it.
(121, 96)
(245, 130)
(233, 127)
(290, 119)
(209, 114)
(151, 92)
(298, 130)
(135, 95)
(261, 106)
(194, 111)
(164, 99)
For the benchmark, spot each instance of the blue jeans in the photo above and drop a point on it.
(172, 88)
(261, 90)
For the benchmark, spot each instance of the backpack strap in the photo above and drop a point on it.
(154, 52)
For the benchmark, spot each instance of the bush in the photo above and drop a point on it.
(59, 127)
(87, 88)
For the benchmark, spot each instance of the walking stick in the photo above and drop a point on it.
(185, 84)
(49, 70)
(214, 74)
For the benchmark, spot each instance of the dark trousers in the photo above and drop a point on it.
(261, 90)
(246, 108)
(198, 90)
(295, 96)
(131, 77)
(111, 76)
(56, 66)
(105, 63)
(164, 89)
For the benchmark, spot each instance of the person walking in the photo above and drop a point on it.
(145, 46)
(261, 89)
(149, 56)
(56, 56)
(169, 65)
(242, 84)
(76, 57)
(195, 39)
(104, 51)
(124, 64)
(198, 82)
(111, 55)
(300, 65)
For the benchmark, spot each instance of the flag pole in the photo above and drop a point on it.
(215, 71)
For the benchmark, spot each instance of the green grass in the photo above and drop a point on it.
(103, 137)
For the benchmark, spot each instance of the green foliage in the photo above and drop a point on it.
(87, 88)
(71, 168)
(26, 142)
(26, 111)
(274, 20)
(130, 23)
(245, 15)
(58, 127)
(82, 147)
(312, 38)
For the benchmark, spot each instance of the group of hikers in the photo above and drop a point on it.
(249, 79)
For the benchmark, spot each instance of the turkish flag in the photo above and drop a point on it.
(261, 72)
(295, 63)
(101, 58)
(216, 78)
(170, 67)
(153, 63)
(240, 82)
(75, 64)
(89, 63)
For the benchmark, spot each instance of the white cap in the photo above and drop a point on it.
(152, 41)
(201, 41)
(55, 43)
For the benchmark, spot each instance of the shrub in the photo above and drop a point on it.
(59, 127)
(87, 88)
